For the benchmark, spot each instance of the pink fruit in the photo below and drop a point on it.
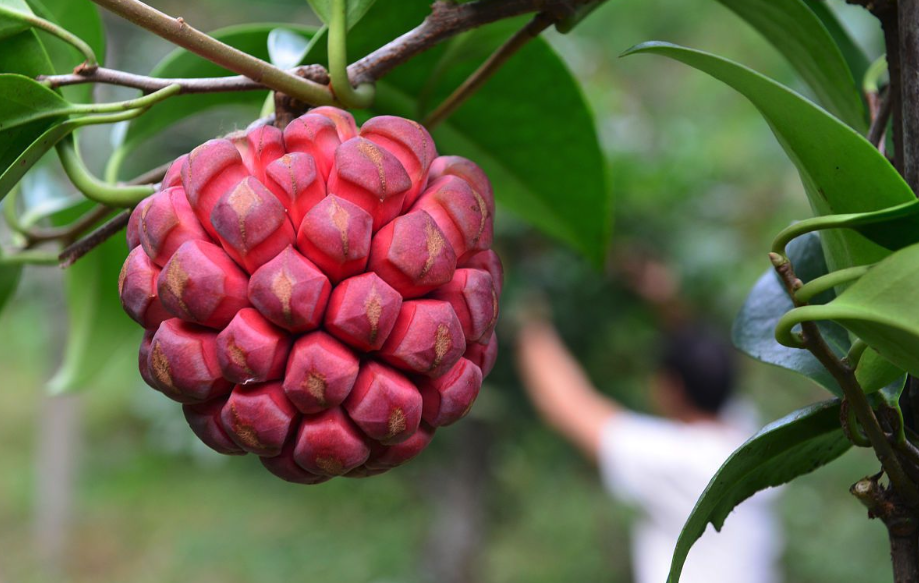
(259, 418)
(204, 420)
(329, 444)
(290, 291)
(384, 404)
(322, 296)
(137, 288)
(335, 235)
(183, 362)
(251, 349)
(201, 284)
(412, 255)
(320, 373)
(370, 177)
(448, 398)
(362, 311)
(427, 338)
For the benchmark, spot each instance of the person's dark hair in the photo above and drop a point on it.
(703, 361)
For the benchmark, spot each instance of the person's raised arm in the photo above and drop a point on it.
(559, 388)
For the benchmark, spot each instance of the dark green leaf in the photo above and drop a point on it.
(355, 12)
(9, 280)
(841, 171)
(539, 147)
(26, 101)
(250, 38)
(783, 450)
(18, 166)
(798, 33)
(855, 58)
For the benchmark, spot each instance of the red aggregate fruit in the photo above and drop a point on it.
(412, 255)
(259, 418)
(137, 289)
(448, 398)
(335, 235)
(251, 349)
(362, 311)
(330, 444)
(201, 284)
(183, 362)
(384, 404)
(166, 222)
(473, 296)
(427, 338)
(204, 420)
(320, 372)
(321, 295)
(290, 291)
(484, 355)
(251, 224)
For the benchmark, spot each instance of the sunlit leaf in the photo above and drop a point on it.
(355, 11)
(286, 48)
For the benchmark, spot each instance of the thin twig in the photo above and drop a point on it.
(67, 233)
(315, 73)
(446, 20)
(879, 123)
(180, 33)
(474, 82)
(80, 248)
(845, 377)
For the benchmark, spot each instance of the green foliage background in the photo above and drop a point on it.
(698, 180)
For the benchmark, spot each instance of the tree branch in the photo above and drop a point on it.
(908, 17)
(448, 19)
(885, 505)
(80, 248)
(315, 73)
(180, 33)
(845, 376)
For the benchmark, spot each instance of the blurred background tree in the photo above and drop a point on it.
(109, 485)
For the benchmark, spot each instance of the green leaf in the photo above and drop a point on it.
(841, 171)
(804, 40)
(26, 101)
(783, 450)
(9, 24)
(355, 11)
(880, 309)
(539, 147)
(98, 328)
(250, 38)
(80, 17)
(855, 57)
(754, 327)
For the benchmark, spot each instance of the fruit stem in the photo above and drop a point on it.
(177, 31)
(349, 96)
(93, 188)
(140, 102)
(486, 70)
(31, 257)
(91, 62)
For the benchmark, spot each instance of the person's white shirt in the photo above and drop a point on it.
(661, 467)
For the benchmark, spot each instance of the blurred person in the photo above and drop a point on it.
(660, 464)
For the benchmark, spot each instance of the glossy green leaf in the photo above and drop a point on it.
(855, 57)
(802, 38)
(25, 101)
(9, 281)
(880, 309)
(754, 327)
(540, 148)
(355, 11)
(250, 38)
(80, 17)
(10, 24)
(841, 171)
(783, 450)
